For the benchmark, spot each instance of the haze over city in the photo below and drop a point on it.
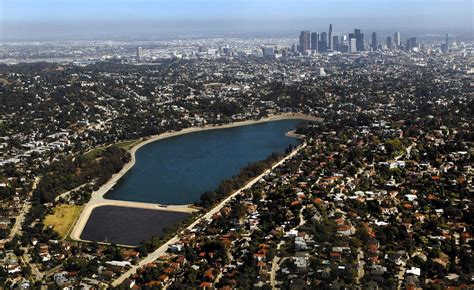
(66, 20)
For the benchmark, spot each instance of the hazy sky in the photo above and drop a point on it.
(36, 19)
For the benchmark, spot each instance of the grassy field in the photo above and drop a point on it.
(127, 145)
(62, 218)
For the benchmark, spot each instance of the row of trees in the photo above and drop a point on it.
(208, 199)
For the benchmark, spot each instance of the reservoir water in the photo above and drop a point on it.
(179, 169)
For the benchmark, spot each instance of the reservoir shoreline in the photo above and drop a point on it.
(98, 197)
(115, 178)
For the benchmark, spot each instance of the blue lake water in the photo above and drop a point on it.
(179, 169)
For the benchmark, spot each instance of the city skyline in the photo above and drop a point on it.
(54, 19)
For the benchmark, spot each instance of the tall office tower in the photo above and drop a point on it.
(314, 41)
(389, 43)
(330, 39)
(323, 43)
(352, 45)
(396, 39)
(374, 41)
(359, 40)
(335, 42)
(305, 41)
(139, 53)
(411, 43)
(323, 37)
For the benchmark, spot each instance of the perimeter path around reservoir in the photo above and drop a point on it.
(97, 197)
(206, 217)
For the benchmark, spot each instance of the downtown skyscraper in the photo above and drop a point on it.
(315, 41)
(396, 39)
(140, 53)
(359, 36)
(305, 41)
(323, 42)
(411, 43)
(389, 43)
(330, 38)
(374, 41)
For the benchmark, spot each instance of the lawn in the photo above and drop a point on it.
(127, 145)
(62, 218)
(92, 154)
